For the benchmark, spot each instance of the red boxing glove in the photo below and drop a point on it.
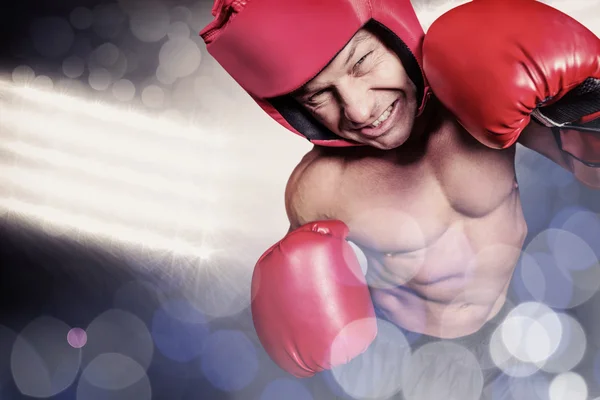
(311, 306)
(496, 63)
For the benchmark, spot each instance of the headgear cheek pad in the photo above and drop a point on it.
(273, 47)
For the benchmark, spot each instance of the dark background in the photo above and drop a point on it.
(45, 274)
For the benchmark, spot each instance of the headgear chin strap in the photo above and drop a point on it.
(273, 47)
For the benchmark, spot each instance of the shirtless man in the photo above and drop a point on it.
(435, 210)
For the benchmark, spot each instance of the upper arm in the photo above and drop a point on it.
(541, 139)
(308, 193)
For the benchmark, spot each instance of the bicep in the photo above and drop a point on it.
(307, 192)
(293, 196)
(291, 207)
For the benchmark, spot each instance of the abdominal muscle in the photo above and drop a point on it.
(440, 222)
(457, 281)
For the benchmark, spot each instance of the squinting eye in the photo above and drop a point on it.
(362, 59)
(315, 96)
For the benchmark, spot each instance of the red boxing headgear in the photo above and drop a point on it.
(273, 47)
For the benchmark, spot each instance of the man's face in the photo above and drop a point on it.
(364, 94)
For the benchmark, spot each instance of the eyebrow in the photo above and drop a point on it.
(356, 40)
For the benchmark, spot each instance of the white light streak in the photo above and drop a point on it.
(155, 182)
(109, 230)
(104, 112)
(82, 169)
(117, 205)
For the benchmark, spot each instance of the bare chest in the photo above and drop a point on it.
(406, 201)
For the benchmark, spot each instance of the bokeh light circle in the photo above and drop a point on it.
(377, 372)
(107, 54)
(43, 363)
(513, 346)
(531, 332)
(123, 90)
(530, 282)
(43, 82)
(229, 360)
(360, 256)
(586, 225)
(505, 361)
(561, 275)
(113, 376)
(118, 331)
(535, 387)
(569, 385)
(570, 251)
(73, 67)
(179, 330)
(181, 14)
(571, 347)
(564, 214)
(163, 76)
(436, 368)
(100, 79)
(23, 74)
(153, 96)
(113, 371)
(150, 22)
(180, 57)
(77, 338)
(179, 29)
(81, 18)
(51, 36)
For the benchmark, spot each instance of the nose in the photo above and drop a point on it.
(357, 103)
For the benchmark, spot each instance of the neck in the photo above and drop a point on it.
(427, 122)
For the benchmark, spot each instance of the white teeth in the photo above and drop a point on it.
(382, 117)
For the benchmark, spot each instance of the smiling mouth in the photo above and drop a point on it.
(383, 117)
(382, 124)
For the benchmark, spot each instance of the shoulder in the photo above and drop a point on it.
(312, 186)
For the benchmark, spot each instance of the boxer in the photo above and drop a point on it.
(406, 165)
